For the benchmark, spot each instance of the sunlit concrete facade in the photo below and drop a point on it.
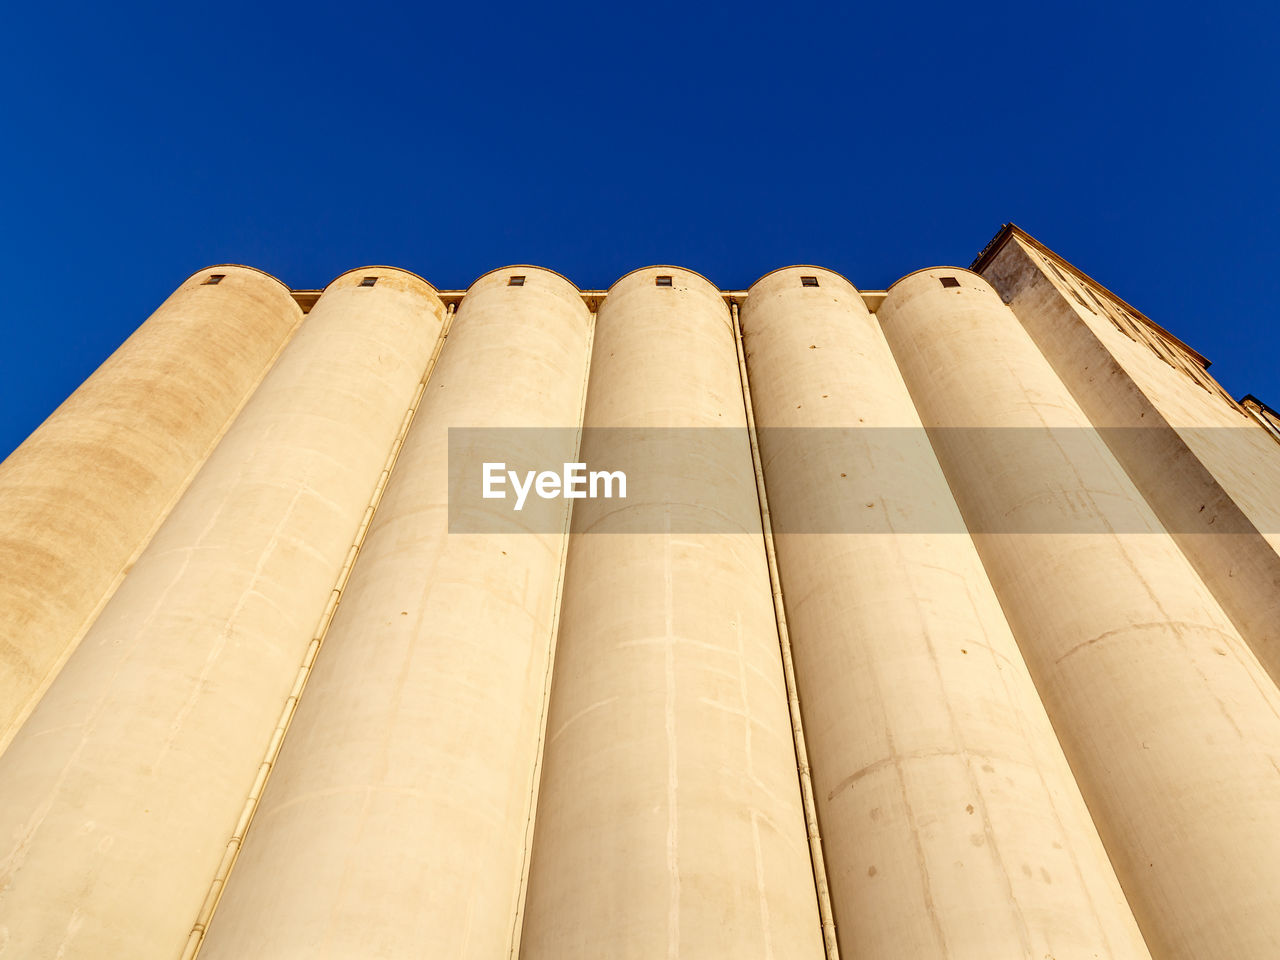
(944, 622)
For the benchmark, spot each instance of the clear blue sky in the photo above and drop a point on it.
(142, 142)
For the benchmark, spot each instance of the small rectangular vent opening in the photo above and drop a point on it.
(515, 282)
(662, 281)
(808, 281)
(368, 281)
(214, 278)
(949, 281)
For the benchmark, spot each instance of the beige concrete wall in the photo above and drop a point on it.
(120, 794)
(1209, 471)
(396, 821)
(669, 818)
(1169, 722)
(951, 824)
(87, 489)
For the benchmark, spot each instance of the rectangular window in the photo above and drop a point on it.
(368, 281)
(214, 278)
(662, 281)
(949, 281)
(808, 281)
(515, 282)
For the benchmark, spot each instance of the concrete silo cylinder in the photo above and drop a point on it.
(669, 817)
(1208, 469)
(84, 493)
(1170, 724)
(951, 824)
(120, 795)
(396, 822)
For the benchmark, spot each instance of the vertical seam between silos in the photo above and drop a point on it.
(517, 924)
(816, 859)
(92, 617)
(232, 851)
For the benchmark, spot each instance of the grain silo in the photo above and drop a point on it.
(931, 622)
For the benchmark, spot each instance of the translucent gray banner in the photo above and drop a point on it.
(864, 480)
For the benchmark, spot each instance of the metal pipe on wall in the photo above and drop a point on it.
(817, 856)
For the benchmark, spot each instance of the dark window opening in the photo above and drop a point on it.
(949, 281)
(368, 281)
(662, 281)
(808, 281)
(515, 282)
(214, 278)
